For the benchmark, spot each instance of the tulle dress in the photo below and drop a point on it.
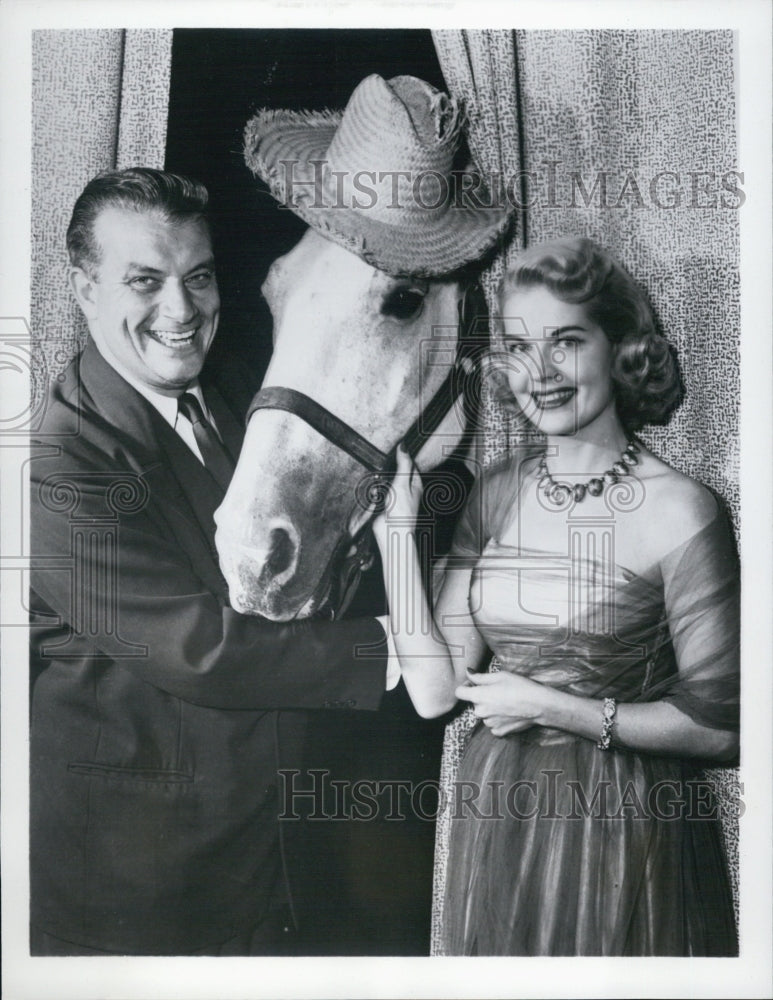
(557, 847)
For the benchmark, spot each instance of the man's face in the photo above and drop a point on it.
(153, 304)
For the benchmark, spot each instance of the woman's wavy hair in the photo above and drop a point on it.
(645, 372)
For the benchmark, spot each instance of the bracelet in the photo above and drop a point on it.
(607, 721)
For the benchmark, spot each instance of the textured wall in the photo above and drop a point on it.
(142, 117)
(76, 85)
(99, 100)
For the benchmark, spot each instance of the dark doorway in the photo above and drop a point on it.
(364, 888)
(219, 80)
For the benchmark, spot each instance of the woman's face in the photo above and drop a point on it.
(558, 362)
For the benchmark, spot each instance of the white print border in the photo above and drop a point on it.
(748, 976)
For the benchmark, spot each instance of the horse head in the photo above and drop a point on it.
(366, 330)
(371, 349)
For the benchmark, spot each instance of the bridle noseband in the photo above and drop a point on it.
(339, 433)
(351, 442)
(472, 309)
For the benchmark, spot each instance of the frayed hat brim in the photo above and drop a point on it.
(426, 244)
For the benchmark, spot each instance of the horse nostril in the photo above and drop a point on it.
(281, 551)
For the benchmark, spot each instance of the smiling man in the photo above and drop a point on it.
(160, 716)
(151, 296)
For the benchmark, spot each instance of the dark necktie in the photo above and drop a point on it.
(216, 458)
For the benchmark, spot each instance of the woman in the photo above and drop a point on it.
(606, 585)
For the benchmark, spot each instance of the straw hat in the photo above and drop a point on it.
(379, 178)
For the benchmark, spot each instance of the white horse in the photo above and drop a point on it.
(363, 354)
(373, 351)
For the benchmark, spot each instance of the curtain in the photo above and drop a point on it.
(627, 137)
(99, 101)
(480, 68)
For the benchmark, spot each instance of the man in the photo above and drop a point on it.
(159, 715)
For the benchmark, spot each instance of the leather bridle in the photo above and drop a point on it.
(339, 433)
(343, 436)
(378, 463)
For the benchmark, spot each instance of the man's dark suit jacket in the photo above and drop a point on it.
(159, 715)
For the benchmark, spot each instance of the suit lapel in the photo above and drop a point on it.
(188, 495)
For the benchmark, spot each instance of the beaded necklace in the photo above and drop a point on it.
(559, 493)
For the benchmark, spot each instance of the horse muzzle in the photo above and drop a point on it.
(286, 515)
(258, 574)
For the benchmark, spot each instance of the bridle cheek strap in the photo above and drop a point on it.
(472, 309)
(277, 397)
(380, 464)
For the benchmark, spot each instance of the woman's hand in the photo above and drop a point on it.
(506, 702)
(503, 725)
(404, 499)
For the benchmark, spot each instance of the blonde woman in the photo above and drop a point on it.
(606, 584)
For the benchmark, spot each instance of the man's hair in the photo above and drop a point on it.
(138, 189)
(644, 369)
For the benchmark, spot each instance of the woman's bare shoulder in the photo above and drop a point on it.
(679, 505)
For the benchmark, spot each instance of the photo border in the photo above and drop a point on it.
(206, 978)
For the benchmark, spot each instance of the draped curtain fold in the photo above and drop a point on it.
(628, 137)
(99, 101)
(480, 67)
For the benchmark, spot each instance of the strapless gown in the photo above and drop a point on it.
(557, 847)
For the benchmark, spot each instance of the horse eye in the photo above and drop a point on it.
(402, 303)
